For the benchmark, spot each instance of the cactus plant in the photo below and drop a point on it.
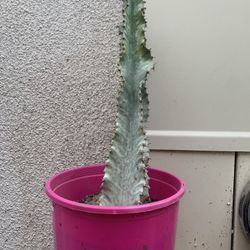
(125, 180)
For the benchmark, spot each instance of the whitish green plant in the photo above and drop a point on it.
(126, 181)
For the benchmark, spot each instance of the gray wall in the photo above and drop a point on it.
(58, 86)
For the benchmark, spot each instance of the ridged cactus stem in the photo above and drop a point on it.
(126, 181)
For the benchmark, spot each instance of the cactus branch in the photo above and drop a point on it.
(125, 181)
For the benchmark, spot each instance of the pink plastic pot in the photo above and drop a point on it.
(86, 227)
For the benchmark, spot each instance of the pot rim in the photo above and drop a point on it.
(95, 209)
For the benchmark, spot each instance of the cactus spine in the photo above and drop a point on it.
(126, 181)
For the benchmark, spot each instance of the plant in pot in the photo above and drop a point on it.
(127, 205)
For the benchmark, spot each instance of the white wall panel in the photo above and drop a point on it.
(199, 140)
(202, 54)
(206, 209)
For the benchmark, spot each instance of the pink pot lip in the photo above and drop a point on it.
(73, 205)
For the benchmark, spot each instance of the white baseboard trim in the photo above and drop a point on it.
(199, 140)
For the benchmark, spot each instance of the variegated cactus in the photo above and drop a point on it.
(126, 181)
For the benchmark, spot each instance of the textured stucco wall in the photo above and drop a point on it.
(58, 86)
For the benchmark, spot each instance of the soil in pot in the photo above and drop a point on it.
(93, 199)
